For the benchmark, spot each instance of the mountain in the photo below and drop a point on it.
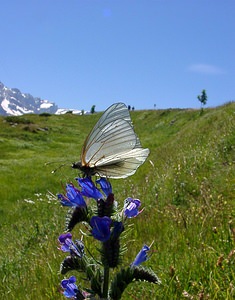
(13, 102)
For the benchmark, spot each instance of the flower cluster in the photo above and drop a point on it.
(105, 224)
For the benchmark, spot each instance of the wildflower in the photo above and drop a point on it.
(73, 197)
(101, 228)
(89, 189)
(67, 245)
(141, 256)
(70, 288)
(131, 207)
(105, 185)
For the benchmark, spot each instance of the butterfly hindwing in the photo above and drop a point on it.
(123, 165)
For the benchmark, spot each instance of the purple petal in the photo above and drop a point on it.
(67, 245)
(141, 256)
(101, 228)
(70, 287)
(64, 200)
(65, 240)
(131, 207)
(62, 238)
(64, 283)
(75, 196)
(72, 279)
(89, 189)
(105, 186)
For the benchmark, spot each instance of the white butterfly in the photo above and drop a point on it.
(112, 149)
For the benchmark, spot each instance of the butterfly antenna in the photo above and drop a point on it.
(55, 170)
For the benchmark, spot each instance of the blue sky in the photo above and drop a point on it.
(77, 53)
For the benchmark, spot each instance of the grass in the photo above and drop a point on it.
(187, 187)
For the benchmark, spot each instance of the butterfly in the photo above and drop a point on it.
(112, 149)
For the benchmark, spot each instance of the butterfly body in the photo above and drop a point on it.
(112, 149)
(87, 171)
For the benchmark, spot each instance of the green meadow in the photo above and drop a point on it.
(187, 189)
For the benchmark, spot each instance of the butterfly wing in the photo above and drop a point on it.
(112, 147)
(122, 165)
(115, 138)
(113, 113)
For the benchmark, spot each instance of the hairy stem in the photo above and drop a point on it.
(106, 282)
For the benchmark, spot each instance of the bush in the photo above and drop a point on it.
(19, 120)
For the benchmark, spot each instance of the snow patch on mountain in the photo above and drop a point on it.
(15, 103)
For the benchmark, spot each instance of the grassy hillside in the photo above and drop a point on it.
(187, 187)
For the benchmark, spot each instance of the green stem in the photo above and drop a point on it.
(106, 282)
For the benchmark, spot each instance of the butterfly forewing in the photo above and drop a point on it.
(116, 137)
(114, 112)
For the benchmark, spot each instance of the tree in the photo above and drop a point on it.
(92, 109)
(203, 99)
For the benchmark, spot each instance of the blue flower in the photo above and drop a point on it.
(131, 207)
(67, 245)
(70, 288)
(73, 197)
(105, 186)
(101, 228)
(89, 189)
(65, 240)
(141, 256)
